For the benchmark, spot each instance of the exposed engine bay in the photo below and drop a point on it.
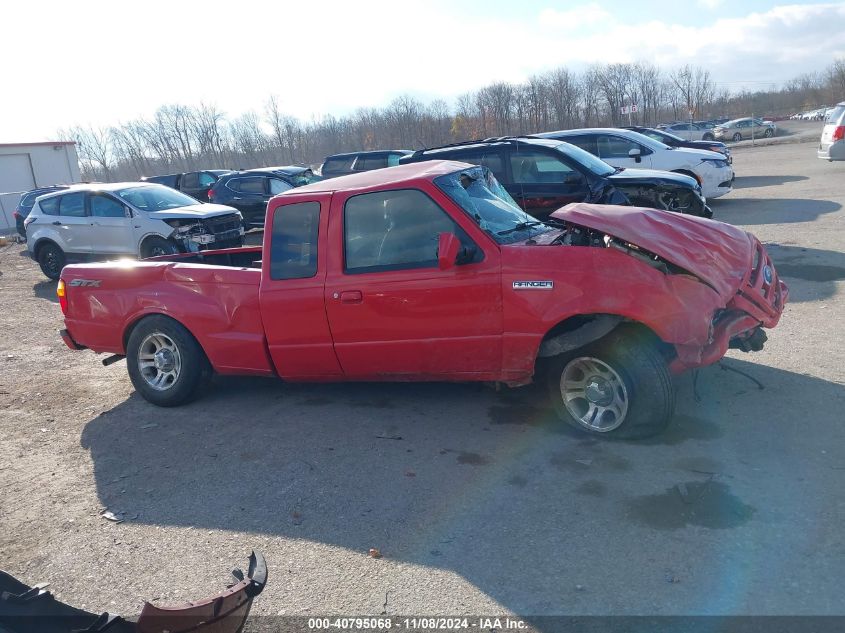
(217, 232)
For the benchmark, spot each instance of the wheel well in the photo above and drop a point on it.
(151, 236)
(131, 328)
(582, 322)
(42, 243)
(687, 172)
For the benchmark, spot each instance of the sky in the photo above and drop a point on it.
(103, 63)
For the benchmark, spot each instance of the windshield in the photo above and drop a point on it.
(593, 163)
(155, 198)
(483, 198)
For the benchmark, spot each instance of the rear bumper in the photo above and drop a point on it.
(68, 339)
(832, 151)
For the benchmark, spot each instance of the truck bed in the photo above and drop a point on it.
(214, 293)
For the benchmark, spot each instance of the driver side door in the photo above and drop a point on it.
(392, 311)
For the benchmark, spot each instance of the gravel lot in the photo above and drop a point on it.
(478, 501)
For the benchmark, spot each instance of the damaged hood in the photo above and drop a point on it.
(717, 253)
(196, 211)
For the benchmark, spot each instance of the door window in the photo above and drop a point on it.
(279, 186)
(367, 163)
(190, 181)
(50, 206)
(532, 167)
(293, 246)
(490, 159)
(254, 184)
(615, 147)
(206, 180)
(105, 207)
(585, 142)
(394, 230)
(72, 205)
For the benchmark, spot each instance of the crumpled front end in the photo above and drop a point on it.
(758, 303)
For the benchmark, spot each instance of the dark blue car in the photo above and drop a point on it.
(26, 202)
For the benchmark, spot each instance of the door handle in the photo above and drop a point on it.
(351, 296)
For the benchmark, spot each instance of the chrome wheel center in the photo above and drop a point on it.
(594, 394)
(599, 391)
(164, 360)
(159, 361)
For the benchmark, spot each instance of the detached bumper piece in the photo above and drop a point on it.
(25, 609)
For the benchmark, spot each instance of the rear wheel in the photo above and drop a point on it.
(51, 259)
(166, 364)
(156, 246)
(737, 136)
(618, 387)
(708, 137)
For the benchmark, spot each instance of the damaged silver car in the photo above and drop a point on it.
(101, 221)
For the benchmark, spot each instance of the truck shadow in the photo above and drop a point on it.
(461, 478)
(810, 273)
(754, 211)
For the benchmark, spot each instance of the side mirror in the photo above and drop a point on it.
(448, 246)
(635, 153)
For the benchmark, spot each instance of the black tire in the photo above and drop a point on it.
(768, 133)
(51, 259)
(193, 366)
(156, 246)
(648, 394)
(737, 136)
(708, 137)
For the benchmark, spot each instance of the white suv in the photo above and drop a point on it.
(98, 221)
(625, 148)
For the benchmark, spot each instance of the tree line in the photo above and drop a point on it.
(187, 137)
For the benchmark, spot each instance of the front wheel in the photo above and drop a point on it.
(768, 133)
(51, 259)
(618, 387)
(737, 136)
(166, 364)
(156, 246)
(708, 137)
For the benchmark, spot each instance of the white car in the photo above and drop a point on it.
(98, 221)
(625, 148)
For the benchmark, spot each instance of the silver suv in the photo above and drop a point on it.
(99, 221)
(832, 145)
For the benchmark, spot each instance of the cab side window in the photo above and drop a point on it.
(492, 159)
(293, 246)
(206, 180)
(394, 230)
(106, 207)
(72, 205)
(277, 186)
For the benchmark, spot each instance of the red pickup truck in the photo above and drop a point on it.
(430, 271)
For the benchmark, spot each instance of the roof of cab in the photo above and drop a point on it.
(388, 176)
